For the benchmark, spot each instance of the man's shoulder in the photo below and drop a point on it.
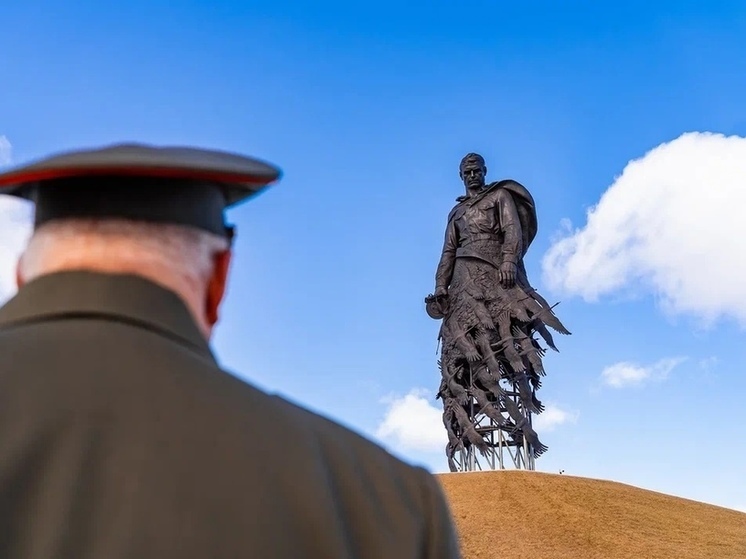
(224, 393)
(362, 475)
(312, 428)
(331, 436)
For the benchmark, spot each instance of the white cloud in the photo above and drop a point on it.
(413, 423)
(15, 227)
(6, 151)
(620, 375)
(552, 417)
(672, 223)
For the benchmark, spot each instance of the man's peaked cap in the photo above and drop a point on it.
(180, 185)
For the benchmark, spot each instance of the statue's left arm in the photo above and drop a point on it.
(510, 225)
(444, 273)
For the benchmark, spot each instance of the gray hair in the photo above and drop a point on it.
(185, 253)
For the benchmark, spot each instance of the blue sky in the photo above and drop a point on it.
(368, 109)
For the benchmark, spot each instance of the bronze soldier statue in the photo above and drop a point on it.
(489, 311)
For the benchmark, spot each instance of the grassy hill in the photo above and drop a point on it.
(532, 515)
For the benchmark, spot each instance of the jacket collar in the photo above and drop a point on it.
(124, 298)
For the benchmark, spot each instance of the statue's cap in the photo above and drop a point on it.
(179, 185)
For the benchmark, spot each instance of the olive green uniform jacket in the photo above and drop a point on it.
(120, 437)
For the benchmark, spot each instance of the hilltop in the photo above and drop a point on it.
(533, 515)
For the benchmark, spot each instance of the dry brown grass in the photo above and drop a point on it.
(532, 515)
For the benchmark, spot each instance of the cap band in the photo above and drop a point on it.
(156, 200)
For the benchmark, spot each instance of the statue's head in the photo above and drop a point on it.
(473, 172)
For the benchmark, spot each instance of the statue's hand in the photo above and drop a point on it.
(436, 304)
(507, 274)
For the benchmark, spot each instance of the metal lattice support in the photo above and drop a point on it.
(507, 448)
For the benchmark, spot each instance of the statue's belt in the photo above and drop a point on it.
(466, 252)
(485, 236)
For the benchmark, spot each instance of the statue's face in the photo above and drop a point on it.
(473, 176)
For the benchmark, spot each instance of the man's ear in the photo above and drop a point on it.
(217, 286)
(19, 276)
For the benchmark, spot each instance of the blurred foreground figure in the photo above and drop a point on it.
(120, 435)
